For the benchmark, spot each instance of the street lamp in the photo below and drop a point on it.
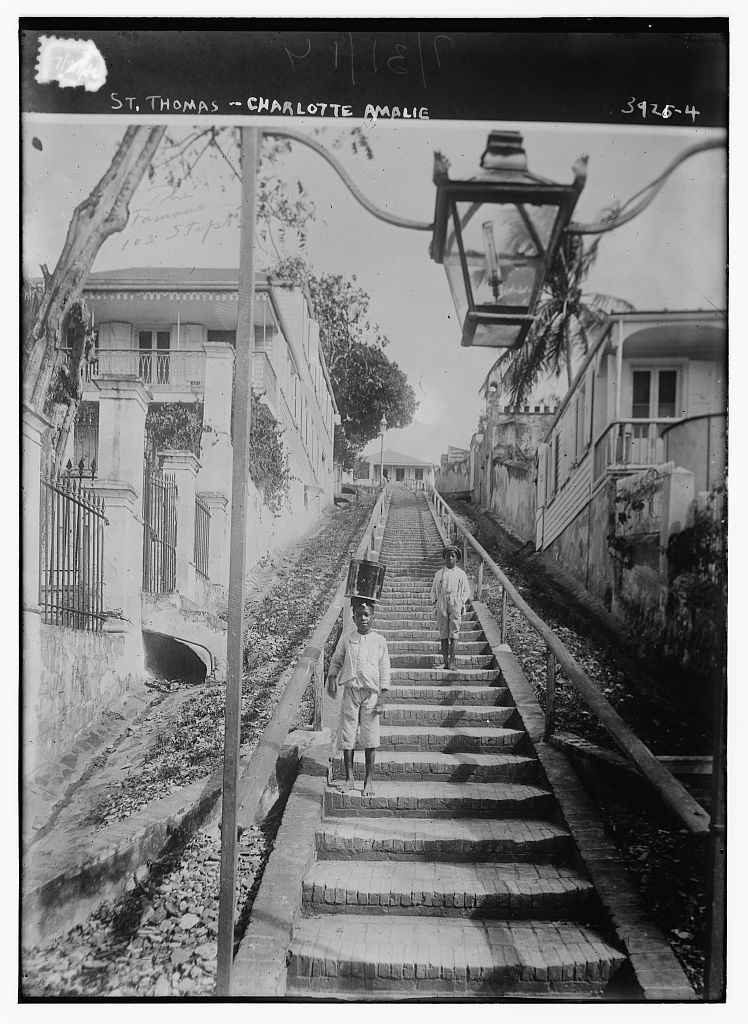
(382, 428)
(496, 235)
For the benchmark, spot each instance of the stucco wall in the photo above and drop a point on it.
(81, 674)
(582, 548)
(513, 497)
(455, 479)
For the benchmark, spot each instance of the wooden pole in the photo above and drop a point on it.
(250, 147)
(479, 593)
(503, 614)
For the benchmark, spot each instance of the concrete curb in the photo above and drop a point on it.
(260, 964)
(656, 969)
(61, 889)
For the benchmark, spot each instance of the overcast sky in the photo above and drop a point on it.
(670, 257)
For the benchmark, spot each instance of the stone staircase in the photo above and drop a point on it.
(457, 878)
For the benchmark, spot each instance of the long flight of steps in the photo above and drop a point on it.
(455, 879)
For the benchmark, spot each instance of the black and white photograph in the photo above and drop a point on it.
(373, 439)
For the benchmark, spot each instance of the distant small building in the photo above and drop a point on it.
(398, 468)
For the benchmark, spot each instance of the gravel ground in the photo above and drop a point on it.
(667, 864)
(159, 939)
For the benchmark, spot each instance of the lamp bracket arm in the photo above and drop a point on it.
(621, 218)
(376, 211)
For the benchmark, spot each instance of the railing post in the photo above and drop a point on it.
(479, 588)
(318, 679)
(550, 695)
(503, 614)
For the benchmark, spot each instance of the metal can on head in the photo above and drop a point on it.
(365, 579)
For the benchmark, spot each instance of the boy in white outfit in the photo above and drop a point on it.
(362, 667)
(449, 593)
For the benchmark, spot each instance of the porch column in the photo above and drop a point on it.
(33, 428)
(185, 467)
(677, 509)
(123, 403)
(216, 448)
(218, 541)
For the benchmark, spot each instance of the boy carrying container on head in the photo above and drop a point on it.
(361, 665)
(449, 592)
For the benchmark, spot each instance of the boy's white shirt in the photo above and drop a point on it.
(362, 662)
(456, 585)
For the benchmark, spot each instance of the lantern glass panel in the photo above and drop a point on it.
(504, 246)
(493, 335)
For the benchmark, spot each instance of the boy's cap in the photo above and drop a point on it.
(451, 547)
(355, 601)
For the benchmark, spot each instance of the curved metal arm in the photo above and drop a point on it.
(388, 218)
(600, 227)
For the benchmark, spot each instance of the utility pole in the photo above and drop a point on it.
(250, 152)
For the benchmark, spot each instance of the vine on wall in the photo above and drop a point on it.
(267, 458)
(178, 426)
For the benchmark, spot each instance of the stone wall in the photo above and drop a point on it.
(81, 674)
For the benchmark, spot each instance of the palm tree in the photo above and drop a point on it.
(565, 321)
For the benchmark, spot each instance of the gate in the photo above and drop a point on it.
(159, 530)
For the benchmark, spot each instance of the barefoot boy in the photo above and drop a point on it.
(362, 667)
(449, 592)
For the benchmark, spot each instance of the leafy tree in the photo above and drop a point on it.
(367, 384)
(565, 322)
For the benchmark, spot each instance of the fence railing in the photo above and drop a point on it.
(202, 536)
(180, 369)
(159, 531)
(680, 801)
(631, 444)
(71, 554)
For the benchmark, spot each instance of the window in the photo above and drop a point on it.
(654, 394)
(399, 474)
(581, 440)
(154, 365)
(419, 474)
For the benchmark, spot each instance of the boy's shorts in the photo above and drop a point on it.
(358, 712)
(449, 624)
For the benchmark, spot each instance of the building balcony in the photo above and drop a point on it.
(167, 371)
(696, 444)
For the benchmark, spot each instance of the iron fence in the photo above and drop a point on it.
(202, 536)
(159, 530)
(71, 554)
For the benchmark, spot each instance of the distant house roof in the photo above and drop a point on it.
(390, 458)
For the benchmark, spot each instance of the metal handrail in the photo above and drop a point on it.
(672, 792)
(308, 668)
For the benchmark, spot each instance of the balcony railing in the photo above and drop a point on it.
(181, 370)
(631, 444)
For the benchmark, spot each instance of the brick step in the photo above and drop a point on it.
(391, 607)
(440, 676)
(444, 839)
(441, 800)
(433, 647)
(454, 739)
(408, 715)
(452, 889)
(417, 618)
(450, 695)
(462, 661)
(371, 955)
(442, 766)
(468, 635)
